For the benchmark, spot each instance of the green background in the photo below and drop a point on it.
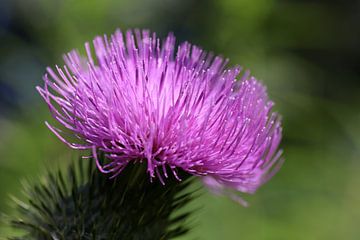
(306, 52)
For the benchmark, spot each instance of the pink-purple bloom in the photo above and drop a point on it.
(136, 98)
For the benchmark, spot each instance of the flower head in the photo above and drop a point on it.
(139, 99)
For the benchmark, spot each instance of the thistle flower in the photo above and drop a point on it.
(140, 100)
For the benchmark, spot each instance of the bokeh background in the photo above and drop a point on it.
(306, 52)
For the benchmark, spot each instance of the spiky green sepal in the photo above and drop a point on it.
(85, 204)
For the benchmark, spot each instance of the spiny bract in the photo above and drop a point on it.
(85, 204)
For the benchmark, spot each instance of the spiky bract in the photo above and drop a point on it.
(85, 204)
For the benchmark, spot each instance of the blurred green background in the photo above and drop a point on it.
(306, 52)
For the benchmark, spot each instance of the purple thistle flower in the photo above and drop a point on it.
(138, 100)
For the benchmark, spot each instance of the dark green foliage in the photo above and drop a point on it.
(85, 204)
